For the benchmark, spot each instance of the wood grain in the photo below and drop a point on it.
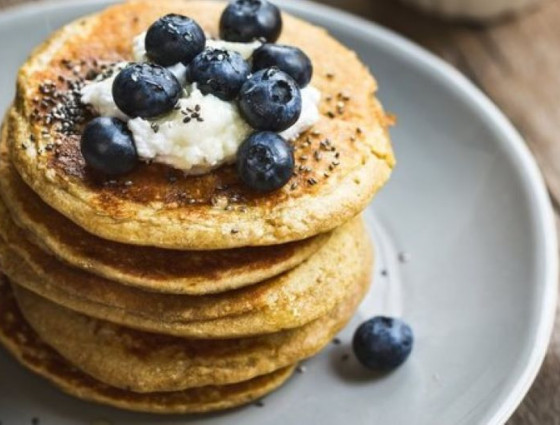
(517, 63)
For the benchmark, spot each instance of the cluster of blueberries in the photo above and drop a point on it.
(267, 90)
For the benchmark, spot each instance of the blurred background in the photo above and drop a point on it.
(511, 50)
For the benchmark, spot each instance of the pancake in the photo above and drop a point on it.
(212, 211)
(147, 362)
(153, 269)
(25, 345)
(286, 301)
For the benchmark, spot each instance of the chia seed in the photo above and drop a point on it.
(404, 257)
(91, 75)
(344, 96)
(66, 110)
(192, 114)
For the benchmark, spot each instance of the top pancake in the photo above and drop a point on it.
(144, 267)
(213, 211)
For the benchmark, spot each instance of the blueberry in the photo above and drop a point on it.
(107, 146)
(219, 72)
(174, 38)
(248, 20)
(289, 59)
(145, 90)
(270, 100)
(265, 161)
(383, 343)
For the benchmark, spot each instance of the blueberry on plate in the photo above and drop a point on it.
(270, 100)
(107, 146)
(383, 343)
(248, 20)
(265, 161)
(219, 72)
(291, 60)
(173, 39)
(146, 90)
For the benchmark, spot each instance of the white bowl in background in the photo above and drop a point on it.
(481, 10)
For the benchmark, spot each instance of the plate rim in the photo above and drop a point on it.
(530, 171)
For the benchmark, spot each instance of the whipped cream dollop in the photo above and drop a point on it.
(203, 132)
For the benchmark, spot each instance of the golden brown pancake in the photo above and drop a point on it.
(152, 269)
(213, 211)
(26, 346)
(286, 301)
(147, 362)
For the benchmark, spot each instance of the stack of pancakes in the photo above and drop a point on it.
(170, 293)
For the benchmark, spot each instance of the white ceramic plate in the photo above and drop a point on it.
(466, 210)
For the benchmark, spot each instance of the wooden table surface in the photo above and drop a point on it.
(517, 63)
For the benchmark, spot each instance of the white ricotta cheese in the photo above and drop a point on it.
(211, 137)
(196, 146)
(310, 99)
(99, 94)
(139, 48)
